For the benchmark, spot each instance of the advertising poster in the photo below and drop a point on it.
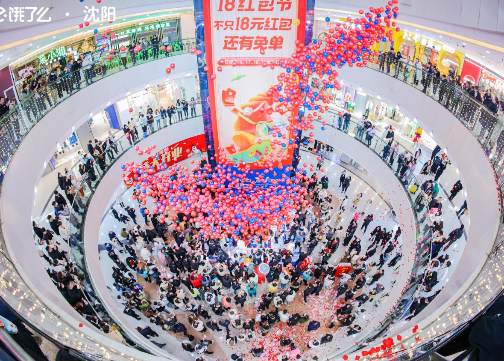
(470, 72)
(172, 154)
(493, 81)
(246, 42)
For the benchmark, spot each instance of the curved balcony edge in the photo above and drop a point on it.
(18, 190)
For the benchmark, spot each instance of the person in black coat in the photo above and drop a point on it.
(213, 325)
(116, 215)
(132, 214)
(53, 223)
(59, 198)
(147, 332)
(326, 338)
(23, 337)
(293, 320)
(38, 231)
(457, 187)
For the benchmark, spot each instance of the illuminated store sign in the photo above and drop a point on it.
(141, 29)
(54, 55)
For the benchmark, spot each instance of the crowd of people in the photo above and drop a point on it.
(448, 88)
(214, 281)
(55, 236)
(462, 98)
(52, 82)
(421, 177)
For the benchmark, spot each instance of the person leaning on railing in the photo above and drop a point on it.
(4, 105)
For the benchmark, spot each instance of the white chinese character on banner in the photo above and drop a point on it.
(16, 14)
(108, 13)
(41, 12)
(91, 14)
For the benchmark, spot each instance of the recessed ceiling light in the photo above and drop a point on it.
(67, 14)
(1, 55)
(54, 37)
(30, 44)
(488, 52)
(464, 44)
(440, 36)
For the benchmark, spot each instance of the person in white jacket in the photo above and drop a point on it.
(290, 297)
(418, 71)
(283, 315)
(87, 65)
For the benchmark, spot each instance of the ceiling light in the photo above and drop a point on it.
(1, 55)
(67, 14)
(54, 37)
(464, 44)
(440, 36)
(30, 44)
(488, 52)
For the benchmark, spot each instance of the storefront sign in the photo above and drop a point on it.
(171, 155)
(145, 28)
(246, 42)
(492, 81)
(470, 72)
(54, 54)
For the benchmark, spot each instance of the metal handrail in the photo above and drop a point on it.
(16, 139)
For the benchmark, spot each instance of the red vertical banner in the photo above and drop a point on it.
(247, 41)
(470, 72)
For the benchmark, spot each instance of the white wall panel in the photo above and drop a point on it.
(500, 17)
(488, 14)
(470, 13)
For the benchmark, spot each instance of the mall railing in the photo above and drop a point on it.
(34, 104)
(84, 191)
(419, 206)
(422, 258)
(14, 125)
(489, 284)
(486, 126)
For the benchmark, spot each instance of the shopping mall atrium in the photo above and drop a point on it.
(353, 212)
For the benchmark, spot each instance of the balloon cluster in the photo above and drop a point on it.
(224, 201)
(344, 44)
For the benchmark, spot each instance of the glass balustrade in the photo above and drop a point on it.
(482, 123)
(14, 125)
